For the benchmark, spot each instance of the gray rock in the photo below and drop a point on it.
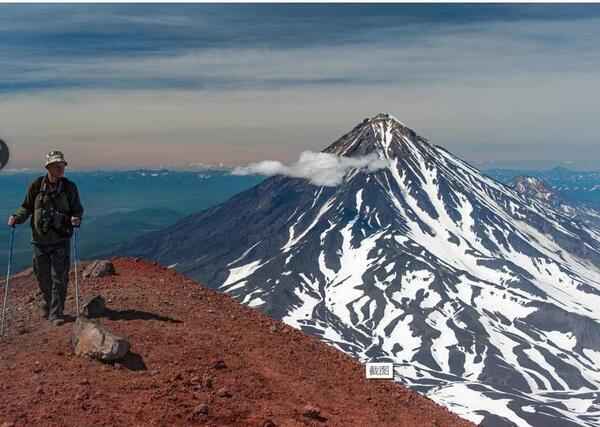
(223, 392)
(99, 268)
(310, 411)
(219, 364)
(93, 340)
(201, 409)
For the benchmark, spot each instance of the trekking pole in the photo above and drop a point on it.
(75, 261)
(10, 257)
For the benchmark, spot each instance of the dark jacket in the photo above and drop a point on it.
(41, 198)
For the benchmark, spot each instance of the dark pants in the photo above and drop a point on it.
(51, 265)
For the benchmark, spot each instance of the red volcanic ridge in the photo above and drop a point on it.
(197, 357)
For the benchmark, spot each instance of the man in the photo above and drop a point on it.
(53, 202)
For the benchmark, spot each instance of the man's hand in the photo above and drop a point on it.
(75, 221)
(12, 221)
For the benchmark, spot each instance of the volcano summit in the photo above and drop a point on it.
(486, 300)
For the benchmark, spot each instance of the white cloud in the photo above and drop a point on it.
(319, 168)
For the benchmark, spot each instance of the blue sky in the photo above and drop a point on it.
(175, 85)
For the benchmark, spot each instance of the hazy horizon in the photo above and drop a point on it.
(139, 85)
(509, 166)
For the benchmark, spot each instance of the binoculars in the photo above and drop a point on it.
(52, 218)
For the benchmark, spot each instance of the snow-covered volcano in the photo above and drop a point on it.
(486, 300)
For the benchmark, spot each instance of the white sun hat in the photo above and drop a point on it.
(55, 156)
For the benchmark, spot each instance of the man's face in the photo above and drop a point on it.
(57, 170)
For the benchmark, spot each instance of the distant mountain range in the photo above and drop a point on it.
(485, 299)
(577, 188)
(120, 205)
(534, 187)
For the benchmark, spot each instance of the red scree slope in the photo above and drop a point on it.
(197, 357)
